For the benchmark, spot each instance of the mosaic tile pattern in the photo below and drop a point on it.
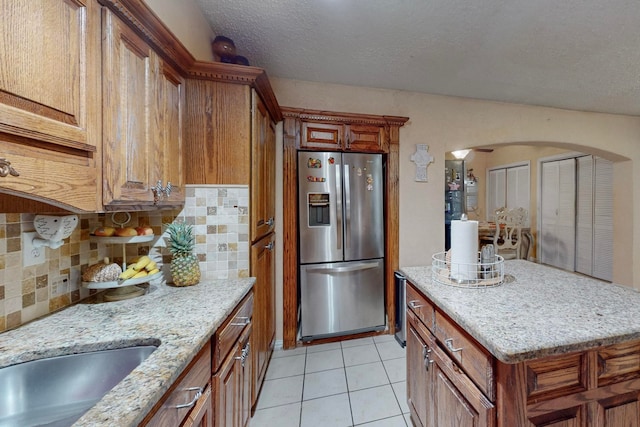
(220, 216)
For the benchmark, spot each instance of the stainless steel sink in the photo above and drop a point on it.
(56, 391)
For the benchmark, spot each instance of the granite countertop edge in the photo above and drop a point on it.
(543, 312)
(178, 320)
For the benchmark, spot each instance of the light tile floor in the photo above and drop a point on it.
(360, 382)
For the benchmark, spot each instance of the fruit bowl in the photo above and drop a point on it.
(117, 239)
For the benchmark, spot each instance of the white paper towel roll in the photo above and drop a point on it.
(464, 250)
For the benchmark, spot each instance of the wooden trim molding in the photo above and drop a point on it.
(345, 118)
(293, 118)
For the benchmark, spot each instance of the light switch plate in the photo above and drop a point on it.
(30, 254)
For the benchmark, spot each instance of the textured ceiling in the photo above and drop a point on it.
(575, 54)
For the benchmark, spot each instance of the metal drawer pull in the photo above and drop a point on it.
(414, 304)
(270, 222)
(244, 354)
(269, 246)
(449, 343)
(245, 321)
(195, 398)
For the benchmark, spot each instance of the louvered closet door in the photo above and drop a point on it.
(496, 188)
(603, 220)
(518, 188)
(584, 215)
(557, 231)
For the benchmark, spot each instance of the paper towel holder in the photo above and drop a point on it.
(53, 229)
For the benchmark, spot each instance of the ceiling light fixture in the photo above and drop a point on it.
(460, 154)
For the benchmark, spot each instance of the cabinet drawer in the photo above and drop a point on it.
(618, 363)
(226, 336)
(193, 380)
(556, 376)
(420, 306)
(474, 359)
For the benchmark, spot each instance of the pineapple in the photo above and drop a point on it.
(184, 265)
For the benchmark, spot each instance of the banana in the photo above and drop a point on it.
(139, 274)
(127, 274)
(142, 262)
(154, 271)
(151, 266)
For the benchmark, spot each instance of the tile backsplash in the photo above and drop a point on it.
(219, 214)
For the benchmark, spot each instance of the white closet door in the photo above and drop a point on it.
(518, 188)
(557, 234)
(496, 187)
(603, 220)
(584, 215)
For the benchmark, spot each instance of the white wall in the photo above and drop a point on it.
(186, 21)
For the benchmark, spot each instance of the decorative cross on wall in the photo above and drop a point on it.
(422, 159)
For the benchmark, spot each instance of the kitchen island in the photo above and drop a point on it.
(180, 321)
(547, 347)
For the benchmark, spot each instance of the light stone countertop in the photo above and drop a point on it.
(181, 320)
(544, 311)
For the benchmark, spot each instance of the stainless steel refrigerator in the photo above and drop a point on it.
(341, 246)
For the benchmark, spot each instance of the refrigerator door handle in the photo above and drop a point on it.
(347, 210)
(338, 208)
(355, 267)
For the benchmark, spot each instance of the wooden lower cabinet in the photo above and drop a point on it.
(264, 322)
(187, 397)
(232, 367)
(451, 382)
(439, 393)
(233, 386)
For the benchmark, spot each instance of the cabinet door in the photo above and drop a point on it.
(419, 377)
(365, 138)
(245, 378)
(263, 269)
(322, 136)
(50, 71)
(262, 171)
(456, 401)
(130, 69)
(169, 167)
(227, 391)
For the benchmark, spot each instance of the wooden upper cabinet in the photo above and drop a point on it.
(49, 102)
(230, 138)
(169, 166)
(130, 69)
(325, 136)
(49, 72)
(333, 131)
(367, 138)
(143, 103)
(263, 174)
(343, 137)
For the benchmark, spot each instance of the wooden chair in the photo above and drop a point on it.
(507, 239)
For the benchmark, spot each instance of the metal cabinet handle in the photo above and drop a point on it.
(245, 321)
(194, 400)
(414, 304)
(244, 355)
(269, 246)
(160, 192)
(449, 343)
(270, 221)
(7, 169)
